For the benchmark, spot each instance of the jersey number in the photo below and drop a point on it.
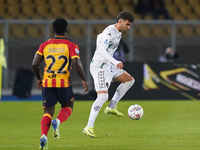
(60, 70)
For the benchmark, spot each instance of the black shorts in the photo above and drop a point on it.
(53, 95)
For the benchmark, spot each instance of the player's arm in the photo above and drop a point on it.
(36, 69)
(77, 65)
(102, 50)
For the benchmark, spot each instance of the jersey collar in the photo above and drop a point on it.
(58, 36)
(116, 30)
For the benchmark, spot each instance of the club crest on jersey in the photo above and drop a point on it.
(106, 41)
(77, 51)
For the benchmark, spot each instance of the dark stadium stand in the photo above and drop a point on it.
(96, 9)
(193, 2)
(113, 10)
(180, 2)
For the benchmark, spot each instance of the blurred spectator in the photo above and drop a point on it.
(144, 7)
(121, 51)
(169, 56)
(152, 7)
(158, 8)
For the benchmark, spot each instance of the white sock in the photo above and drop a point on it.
(43, 135)
(96, 106)
(120, 91)
(58, 121)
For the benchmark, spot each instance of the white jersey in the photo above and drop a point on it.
(106, 44)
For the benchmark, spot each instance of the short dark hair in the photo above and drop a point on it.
(126, 15)
(60, 25)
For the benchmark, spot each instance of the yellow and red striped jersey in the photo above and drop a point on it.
(58, 53)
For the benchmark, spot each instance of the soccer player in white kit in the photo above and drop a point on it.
(105, 69)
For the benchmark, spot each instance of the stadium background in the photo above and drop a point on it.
(25, 24)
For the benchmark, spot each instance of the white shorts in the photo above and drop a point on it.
(103, 76)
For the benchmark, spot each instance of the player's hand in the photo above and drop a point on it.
(39, 84)
(120, 65)
(85, 86)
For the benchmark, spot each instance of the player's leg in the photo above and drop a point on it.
(102, 97)
(49, 102)
(126, 83)
(45, 125)
(65, 97)
(46, 119)
(101, 82)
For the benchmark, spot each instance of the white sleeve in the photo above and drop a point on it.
(102, 50)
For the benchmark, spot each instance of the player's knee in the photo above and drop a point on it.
(101, 99)
(130, 83)
(103, 96)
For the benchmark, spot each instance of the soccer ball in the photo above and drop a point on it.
(135, 112)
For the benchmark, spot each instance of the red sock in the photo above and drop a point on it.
(64, 114)
(45, 123)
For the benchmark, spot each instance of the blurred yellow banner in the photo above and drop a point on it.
(2, 57)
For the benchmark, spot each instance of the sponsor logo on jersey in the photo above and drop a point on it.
(101, 79)
(56, 50)
(77, 51)
(52, 76)
(106, 41)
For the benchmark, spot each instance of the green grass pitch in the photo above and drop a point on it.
(166, 125)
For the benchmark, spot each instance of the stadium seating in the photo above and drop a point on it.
(179, 17)
(197, 30)
(14, 12)
(44, 12)
(67, 2)
(159, 31)
(193, 2)
(124, 2)
(137, 16)
(97, 28)
(58, 11)
(82, 2)
(127, 7)
(96, 2)
(12, 2)
(29, 11)
(180, 2)
(110, 2)
(32, 31)
(113, 11)
(136, 32)
(54, 2)
(3, 11)
(76, 31)
(167, 29)
(40, 2)
(193, 17)
(148, 17)
(100, 12)
(86, 12)
(72, 12)
(196, 10)
(97, 9)
(144, 30)
(26, 2)
(187, 30)
(17, 31)
(188, 8)
(134, 2)
(168, 2)
(172, 9)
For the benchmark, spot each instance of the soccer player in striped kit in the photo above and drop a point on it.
(58, 53)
